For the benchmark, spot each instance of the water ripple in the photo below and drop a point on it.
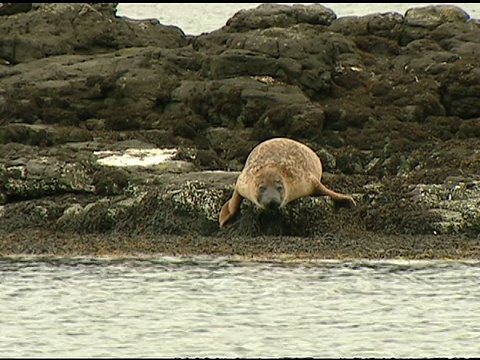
(181, 307)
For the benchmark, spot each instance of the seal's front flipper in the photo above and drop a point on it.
(230, 209)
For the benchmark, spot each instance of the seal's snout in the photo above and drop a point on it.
(270, 196)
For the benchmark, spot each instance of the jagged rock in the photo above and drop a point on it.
(274, 15)
(456, 202)
(270, 108)
(460, 95)
(41, 134)
(14, 8)
(121, 97)
(388, 101)
(386, 25)
(420, 21)
(78, 28)
(434, 15)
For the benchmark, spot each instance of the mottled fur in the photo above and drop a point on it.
(290, 168)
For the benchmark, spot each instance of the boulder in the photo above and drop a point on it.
(274, 15)
(78, 28)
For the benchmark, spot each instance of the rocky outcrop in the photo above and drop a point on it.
(112, 125)
(14, 8)
(78, 28)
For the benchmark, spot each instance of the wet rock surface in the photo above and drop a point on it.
(126, 136)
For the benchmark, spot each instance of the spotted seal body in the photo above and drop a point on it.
(276, 172)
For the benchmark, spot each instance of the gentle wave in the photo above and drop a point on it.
(94, 307)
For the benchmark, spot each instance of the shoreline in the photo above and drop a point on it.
(366, 246)
(121, 136)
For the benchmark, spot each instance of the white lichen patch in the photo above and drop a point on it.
(135, 157)
(457, 205)
(194, 196)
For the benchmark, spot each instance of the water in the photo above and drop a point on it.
(199, 307)
(205, 17)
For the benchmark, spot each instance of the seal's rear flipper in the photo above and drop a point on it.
(230, 209)
(339, 198)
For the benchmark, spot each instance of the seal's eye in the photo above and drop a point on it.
(279, 186)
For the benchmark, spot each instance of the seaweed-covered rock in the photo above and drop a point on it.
(274, 15)
(78, 28)
(14, 8)
(116, 126)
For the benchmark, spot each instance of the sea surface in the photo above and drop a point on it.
(218, 307)
(197, 18)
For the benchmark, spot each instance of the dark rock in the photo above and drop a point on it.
(233, 145)
(14, 8)
(460, 90)
(79, 28)
(44, 135)
(117, 126)
(469, 128)
(420, 21)
(430, 17)
(247, 101)
(274, 15)
(387, 25)
(110, 181)
(295, 120)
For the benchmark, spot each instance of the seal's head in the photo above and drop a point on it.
(270, 190)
